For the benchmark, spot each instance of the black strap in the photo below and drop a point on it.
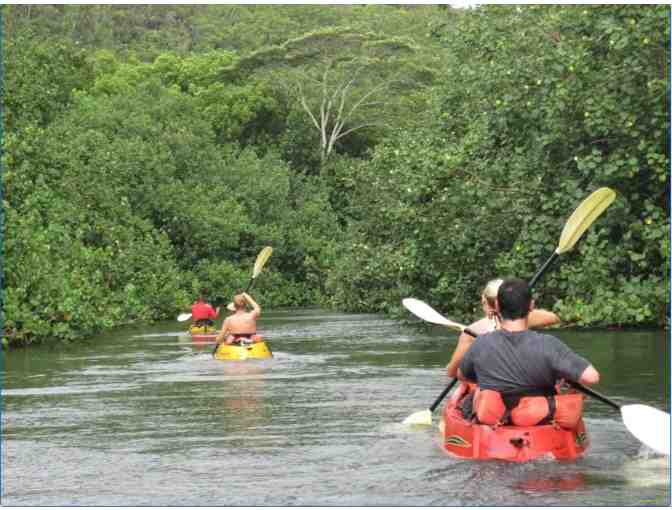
(551, 410)
(511, 401)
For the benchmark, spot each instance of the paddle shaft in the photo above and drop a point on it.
(594, 394)
(470, 332)
(249, 285)
(443, 394)
(543, 269)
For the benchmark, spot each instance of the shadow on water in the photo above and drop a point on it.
(145, 416)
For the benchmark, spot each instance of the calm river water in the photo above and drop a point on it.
(145, 416)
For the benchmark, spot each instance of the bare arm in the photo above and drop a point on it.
(463, 344)
(256, 309)
(589, 376)
(540, 318)
(224, 332)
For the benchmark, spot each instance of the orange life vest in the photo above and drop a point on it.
(565, 410)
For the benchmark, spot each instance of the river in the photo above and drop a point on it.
(145, 416)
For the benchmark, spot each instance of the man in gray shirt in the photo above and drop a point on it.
(519, 362)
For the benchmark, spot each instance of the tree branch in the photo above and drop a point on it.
(305, 106)
(374, 90)
(366, 124)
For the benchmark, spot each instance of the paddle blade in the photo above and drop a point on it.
(263, 256)
(583, 217)
(648, 424)
(419, 418)
(184, 317)
(427, 313)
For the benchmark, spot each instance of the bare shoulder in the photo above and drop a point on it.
(481, 326)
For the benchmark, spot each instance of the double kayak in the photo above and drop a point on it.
(465, 439)
(243, 350)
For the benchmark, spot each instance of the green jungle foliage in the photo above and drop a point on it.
(383, 151)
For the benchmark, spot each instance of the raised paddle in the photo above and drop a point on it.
(263, 256)
(259, 264)
(582, 218)
(648, 424)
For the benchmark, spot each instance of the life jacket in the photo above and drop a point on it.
(564, 410)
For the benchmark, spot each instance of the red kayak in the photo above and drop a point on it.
(204, 337)
(468, 440)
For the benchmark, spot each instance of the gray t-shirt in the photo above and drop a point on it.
(523, 362)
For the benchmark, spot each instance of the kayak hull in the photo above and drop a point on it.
(243, 351)
(467, 440)
(204, 337)
(199, 330)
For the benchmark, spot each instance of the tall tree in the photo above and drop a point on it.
(343, 79)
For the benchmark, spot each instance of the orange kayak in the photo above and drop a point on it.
(467, 440)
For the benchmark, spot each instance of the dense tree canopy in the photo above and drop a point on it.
(383, 151)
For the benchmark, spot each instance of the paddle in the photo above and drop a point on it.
(582, 218)
(259, 264)
(427, 313)
(649, 425)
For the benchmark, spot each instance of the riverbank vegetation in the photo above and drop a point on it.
(383, 151)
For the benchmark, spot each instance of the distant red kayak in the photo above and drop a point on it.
(468, 440)
(204, 337)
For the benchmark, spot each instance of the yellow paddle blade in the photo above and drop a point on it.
(583, 217)
(419, 418)
(263, 256)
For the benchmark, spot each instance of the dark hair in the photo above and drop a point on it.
(514, 299)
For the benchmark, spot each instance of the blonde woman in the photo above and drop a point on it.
(538, 318)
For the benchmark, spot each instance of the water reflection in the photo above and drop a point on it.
(567, 482)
